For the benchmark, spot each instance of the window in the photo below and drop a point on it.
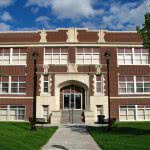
(12, 84)
(132, 56)
(134, 112)
(56, 56)
(100, 109)
(13, 56)
(18, 84)
(12, 112)
(45, 112)
(87, 56)
(99, 84)
(45, 84)
(134, 84)
(3, 112)
(126, 84)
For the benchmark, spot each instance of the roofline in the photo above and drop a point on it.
(57, 29)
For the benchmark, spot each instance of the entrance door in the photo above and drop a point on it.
(72, 101)
(72, 104)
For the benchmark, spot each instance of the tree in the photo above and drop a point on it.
(145, 31)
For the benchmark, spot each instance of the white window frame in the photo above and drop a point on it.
(11, 58)
(47, 106)
(59, 54)
(135, 87)
(42, 87)
(133, 57)
(8, 112)
(84, 60)
(9, 86)
(99, 93)
(136, 112)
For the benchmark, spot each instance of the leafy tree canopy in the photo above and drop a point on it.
(145, 31)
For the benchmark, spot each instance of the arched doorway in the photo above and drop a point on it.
(73, 101)
(72, 97)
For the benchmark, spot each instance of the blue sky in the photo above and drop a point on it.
(92, 14)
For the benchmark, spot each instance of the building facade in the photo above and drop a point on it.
(72, 75)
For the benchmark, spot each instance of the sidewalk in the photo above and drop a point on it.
(71, 137)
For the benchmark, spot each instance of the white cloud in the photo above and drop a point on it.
(73, 8)
(70, 9)
(5, 3)
(42, 18)
(6, 16)
(125, 16)
(4, 27)
(89, 25)
(44, 21)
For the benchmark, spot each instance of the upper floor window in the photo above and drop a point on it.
(12, 56)
(99, 84)
(12, 84)
(132, 56)
(55, 56)
(87, 56)
(134, 84)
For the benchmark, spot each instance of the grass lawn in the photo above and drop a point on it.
(124, 136)
(17, 136)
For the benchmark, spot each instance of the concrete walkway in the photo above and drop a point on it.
(71, 137)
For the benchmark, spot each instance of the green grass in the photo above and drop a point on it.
(17, 136)
(123, 136)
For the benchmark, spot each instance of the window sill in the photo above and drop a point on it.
(45, 94)
(133, 65)
(98, 94)
(56, 64)
(12, 93)
(134, 93)
(12, 65)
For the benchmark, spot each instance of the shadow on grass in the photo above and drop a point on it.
(120, 130)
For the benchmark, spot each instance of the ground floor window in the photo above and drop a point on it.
(100, 109)
(134, 112)
(45, 112)
(12, 112)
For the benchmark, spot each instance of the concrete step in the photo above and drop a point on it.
(71, 116)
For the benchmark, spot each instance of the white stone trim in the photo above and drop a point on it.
(101, 35)
(43, 35)
(129, 97)
(16, 97)
(72, 35)
(70, 44)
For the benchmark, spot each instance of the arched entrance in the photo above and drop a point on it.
(72, 97)
(73, 101)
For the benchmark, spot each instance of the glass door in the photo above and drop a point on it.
(72, 101)
(66, 101)
(78, 101)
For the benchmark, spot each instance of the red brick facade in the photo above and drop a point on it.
(59, 39)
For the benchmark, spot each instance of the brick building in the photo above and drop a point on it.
(72, 75)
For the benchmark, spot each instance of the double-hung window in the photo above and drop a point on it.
(126, 84)
(55, 56)
(87, 56)
(45, 84)
(13, 56)
(98, 84)
(12, 112)
(12, 85)
(129, 56)
(134, 112)
(134, 84)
